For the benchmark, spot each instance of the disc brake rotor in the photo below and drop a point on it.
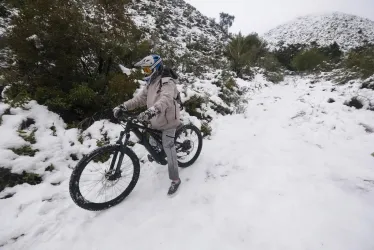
(111, 178)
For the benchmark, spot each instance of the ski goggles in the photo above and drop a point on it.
(147, 70)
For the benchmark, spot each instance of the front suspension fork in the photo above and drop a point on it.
(121, 150)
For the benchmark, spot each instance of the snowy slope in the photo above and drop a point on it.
(348, 31)
(179, 25)
(293, 172)
(176, 25)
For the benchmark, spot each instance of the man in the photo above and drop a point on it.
(163, 111)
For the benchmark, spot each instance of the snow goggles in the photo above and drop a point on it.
(147, 70)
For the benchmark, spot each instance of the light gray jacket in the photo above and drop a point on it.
(162, 98)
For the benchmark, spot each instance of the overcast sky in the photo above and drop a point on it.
(262, 15)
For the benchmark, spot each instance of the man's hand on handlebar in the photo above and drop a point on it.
(119, 111)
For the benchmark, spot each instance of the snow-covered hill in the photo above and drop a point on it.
(180, 26)
(348, 31)
(294, 172)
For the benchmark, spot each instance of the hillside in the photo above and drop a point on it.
(181, 28)
(348, 31)
(175, 28)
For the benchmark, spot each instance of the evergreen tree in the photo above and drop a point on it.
(244, 52)
(67, 54)
(226, 21)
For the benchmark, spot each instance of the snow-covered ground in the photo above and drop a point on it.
(293, 172)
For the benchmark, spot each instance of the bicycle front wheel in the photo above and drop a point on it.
(94, 186)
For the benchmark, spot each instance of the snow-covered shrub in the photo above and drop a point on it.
(193, 106)
(286, 53)
(50, 168)
(25, 150)
(230, 92)
(9, 179)
(361, 60)
(201, 44)
(270, 62)
(244, 52)
(333, 51)
(28, 136)
(308, 60)
(274, 77)
(205, 129)
(368, 83)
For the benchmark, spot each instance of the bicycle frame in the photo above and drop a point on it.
(160, 158)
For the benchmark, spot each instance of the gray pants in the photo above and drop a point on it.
(169, 147)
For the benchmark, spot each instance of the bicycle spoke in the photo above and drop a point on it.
(108, 186)
(91, 180)
(97, 194)
(92, 184)
(105, 193)
(113, 190)
(117, 190)
(91, 189)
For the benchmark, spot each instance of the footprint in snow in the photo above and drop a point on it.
(209, 176)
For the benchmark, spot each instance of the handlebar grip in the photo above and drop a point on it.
(127, 115)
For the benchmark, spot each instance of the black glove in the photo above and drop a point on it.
(118, 110)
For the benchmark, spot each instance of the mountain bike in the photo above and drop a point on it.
(107, 175)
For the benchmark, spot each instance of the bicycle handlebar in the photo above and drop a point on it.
(126, 116)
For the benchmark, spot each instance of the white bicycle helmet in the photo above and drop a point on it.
(150, 65)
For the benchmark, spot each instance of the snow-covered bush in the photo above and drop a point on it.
(274, 77)
(9, 179)
(244, 52)
(308, 60)
(361, 60)
(368, 83)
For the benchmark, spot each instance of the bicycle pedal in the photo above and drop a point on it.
(150, 158)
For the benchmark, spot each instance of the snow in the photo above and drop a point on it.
(125, 70)
(33, 37)
(293, 172)
(348, 31)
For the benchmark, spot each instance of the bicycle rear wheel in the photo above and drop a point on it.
(93, 186)
(188, 143)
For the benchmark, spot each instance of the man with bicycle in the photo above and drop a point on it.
(160, 97)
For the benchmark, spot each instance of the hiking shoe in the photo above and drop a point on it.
(174, 188)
